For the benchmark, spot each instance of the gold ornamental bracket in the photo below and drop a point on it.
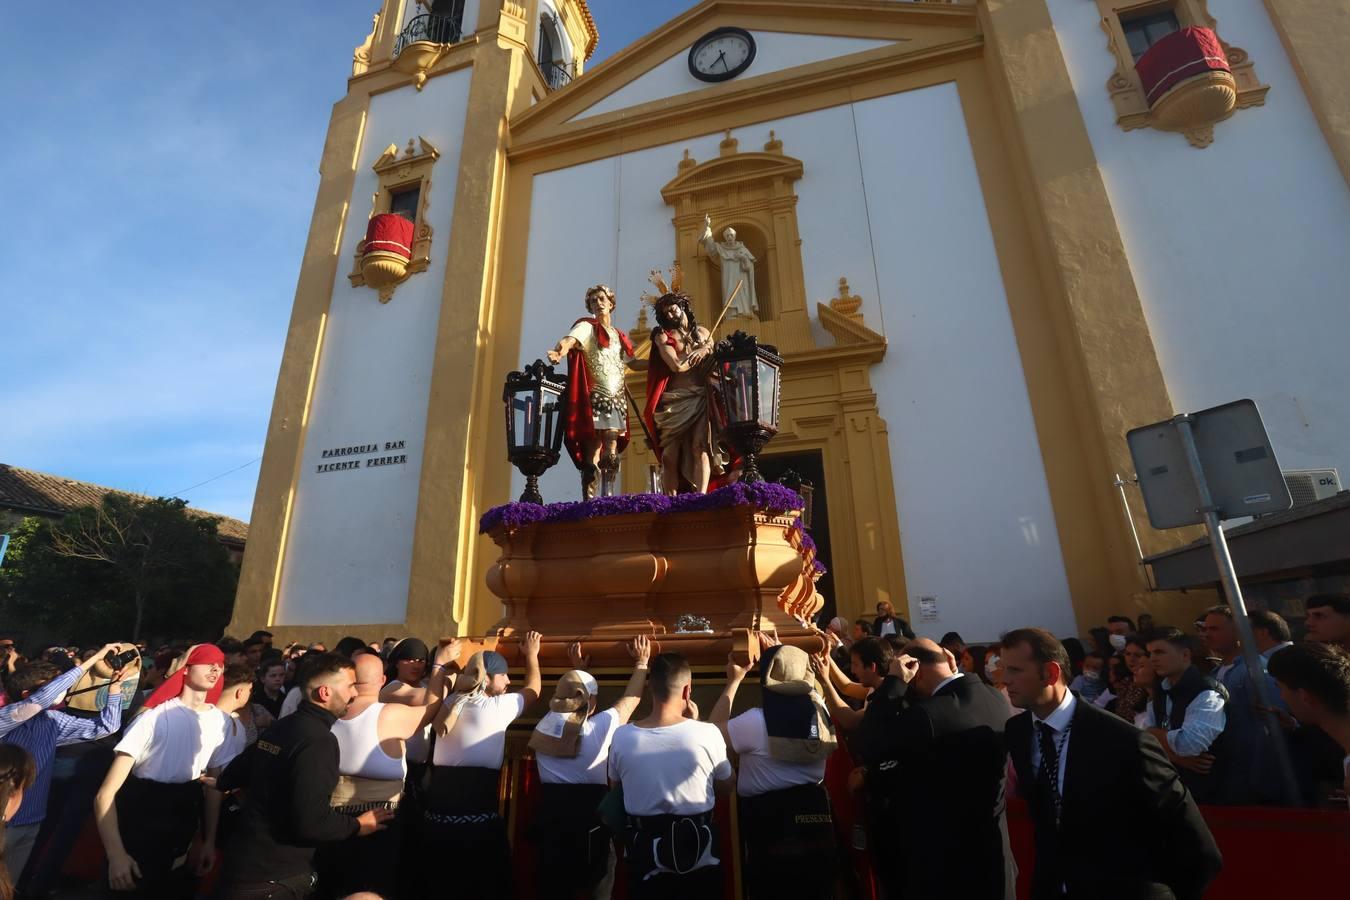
(1127, 89)
(405, 188)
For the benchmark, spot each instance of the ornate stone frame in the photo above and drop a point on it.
(397, 172)
(1127, 92)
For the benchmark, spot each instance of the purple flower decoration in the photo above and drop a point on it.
(772, 498)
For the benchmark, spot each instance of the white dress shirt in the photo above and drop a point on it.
(1058, 722)
(946, 681)
(1204, 722)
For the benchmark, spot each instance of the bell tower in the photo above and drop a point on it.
(365, 512)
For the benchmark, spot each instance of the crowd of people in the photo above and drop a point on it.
(239, 770)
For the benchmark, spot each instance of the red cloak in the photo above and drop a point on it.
(579, 422)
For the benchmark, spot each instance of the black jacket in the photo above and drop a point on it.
(288, 777)
(942, 762)
(1122, 793)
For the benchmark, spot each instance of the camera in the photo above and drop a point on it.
(121, 660)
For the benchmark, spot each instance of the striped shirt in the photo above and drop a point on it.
(40, 731)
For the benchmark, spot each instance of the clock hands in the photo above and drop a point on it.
(722, 58)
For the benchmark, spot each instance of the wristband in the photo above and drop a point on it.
(437, 666)
(641, 667)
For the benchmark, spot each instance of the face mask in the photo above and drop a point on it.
(1117, 641)
(1091, 676)
(991, 666)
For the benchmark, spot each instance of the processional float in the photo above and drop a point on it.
(702, 567)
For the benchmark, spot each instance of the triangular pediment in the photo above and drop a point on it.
(809, 39)
(738, 168)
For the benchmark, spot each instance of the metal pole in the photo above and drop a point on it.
(1223, 561)
(1120, 484)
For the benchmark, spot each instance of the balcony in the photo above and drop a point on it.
(558, 75)
(1188, 83)
(429, 29)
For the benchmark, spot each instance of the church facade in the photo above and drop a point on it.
(988, 238)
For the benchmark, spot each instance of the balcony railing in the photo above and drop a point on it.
(426, 27)
(558, 75)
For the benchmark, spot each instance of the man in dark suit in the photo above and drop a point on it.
(933, 746)
(1094, 781)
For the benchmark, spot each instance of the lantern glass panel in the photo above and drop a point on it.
(525, 419)
(741, 390)
(552, 433)
(768, 394)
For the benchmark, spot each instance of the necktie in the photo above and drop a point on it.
(1048, 777)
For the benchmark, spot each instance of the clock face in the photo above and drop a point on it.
(721, 54)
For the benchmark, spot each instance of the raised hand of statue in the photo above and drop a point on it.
(554, 357)
(707, 227)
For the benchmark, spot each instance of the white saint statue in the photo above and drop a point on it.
(737, 264)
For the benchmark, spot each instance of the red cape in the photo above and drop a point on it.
(578, 420)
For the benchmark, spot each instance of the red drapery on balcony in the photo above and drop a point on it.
(1180, 55)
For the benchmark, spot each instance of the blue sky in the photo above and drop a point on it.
(162, 167)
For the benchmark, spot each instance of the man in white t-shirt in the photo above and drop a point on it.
(462, 829)
(571, 746)
(150, 805)
(782, 745)
(669, 765)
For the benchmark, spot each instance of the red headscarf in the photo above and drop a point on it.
(198, 655)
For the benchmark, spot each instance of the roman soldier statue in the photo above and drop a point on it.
(596, 430)
(683, 413)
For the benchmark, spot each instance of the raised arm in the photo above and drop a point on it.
(721, 711)
(847, 717)
(641, 651)
(846, 686)
(534, 681)
(562, 348)
(405, 719)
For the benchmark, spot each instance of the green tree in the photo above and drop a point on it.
(127, 565)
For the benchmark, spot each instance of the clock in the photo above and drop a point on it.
(721, 54)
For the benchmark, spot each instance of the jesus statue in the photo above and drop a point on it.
(737, 264)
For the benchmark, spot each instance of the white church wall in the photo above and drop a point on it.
(774, 51)
(964, 451)
(1238, 250)
(350, 537)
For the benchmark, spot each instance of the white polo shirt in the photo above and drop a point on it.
(478, 739)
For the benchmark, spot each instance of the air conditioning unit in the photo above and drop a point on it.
(1310, 485)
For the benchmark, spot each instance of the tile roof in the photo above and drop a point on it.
(38, 492)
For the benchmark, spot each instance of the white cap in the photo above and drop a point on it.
(592, 686)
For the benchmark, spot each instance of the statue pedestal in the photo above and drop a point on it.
(604, 571)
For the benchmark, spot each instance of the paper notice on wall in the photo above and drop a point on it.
(928, 609)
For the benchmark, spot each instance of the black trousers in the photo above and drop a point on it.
(787, 838)
(157, 822)
(675, 843)
(361, 863)
(571, 844)
(463, 839)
